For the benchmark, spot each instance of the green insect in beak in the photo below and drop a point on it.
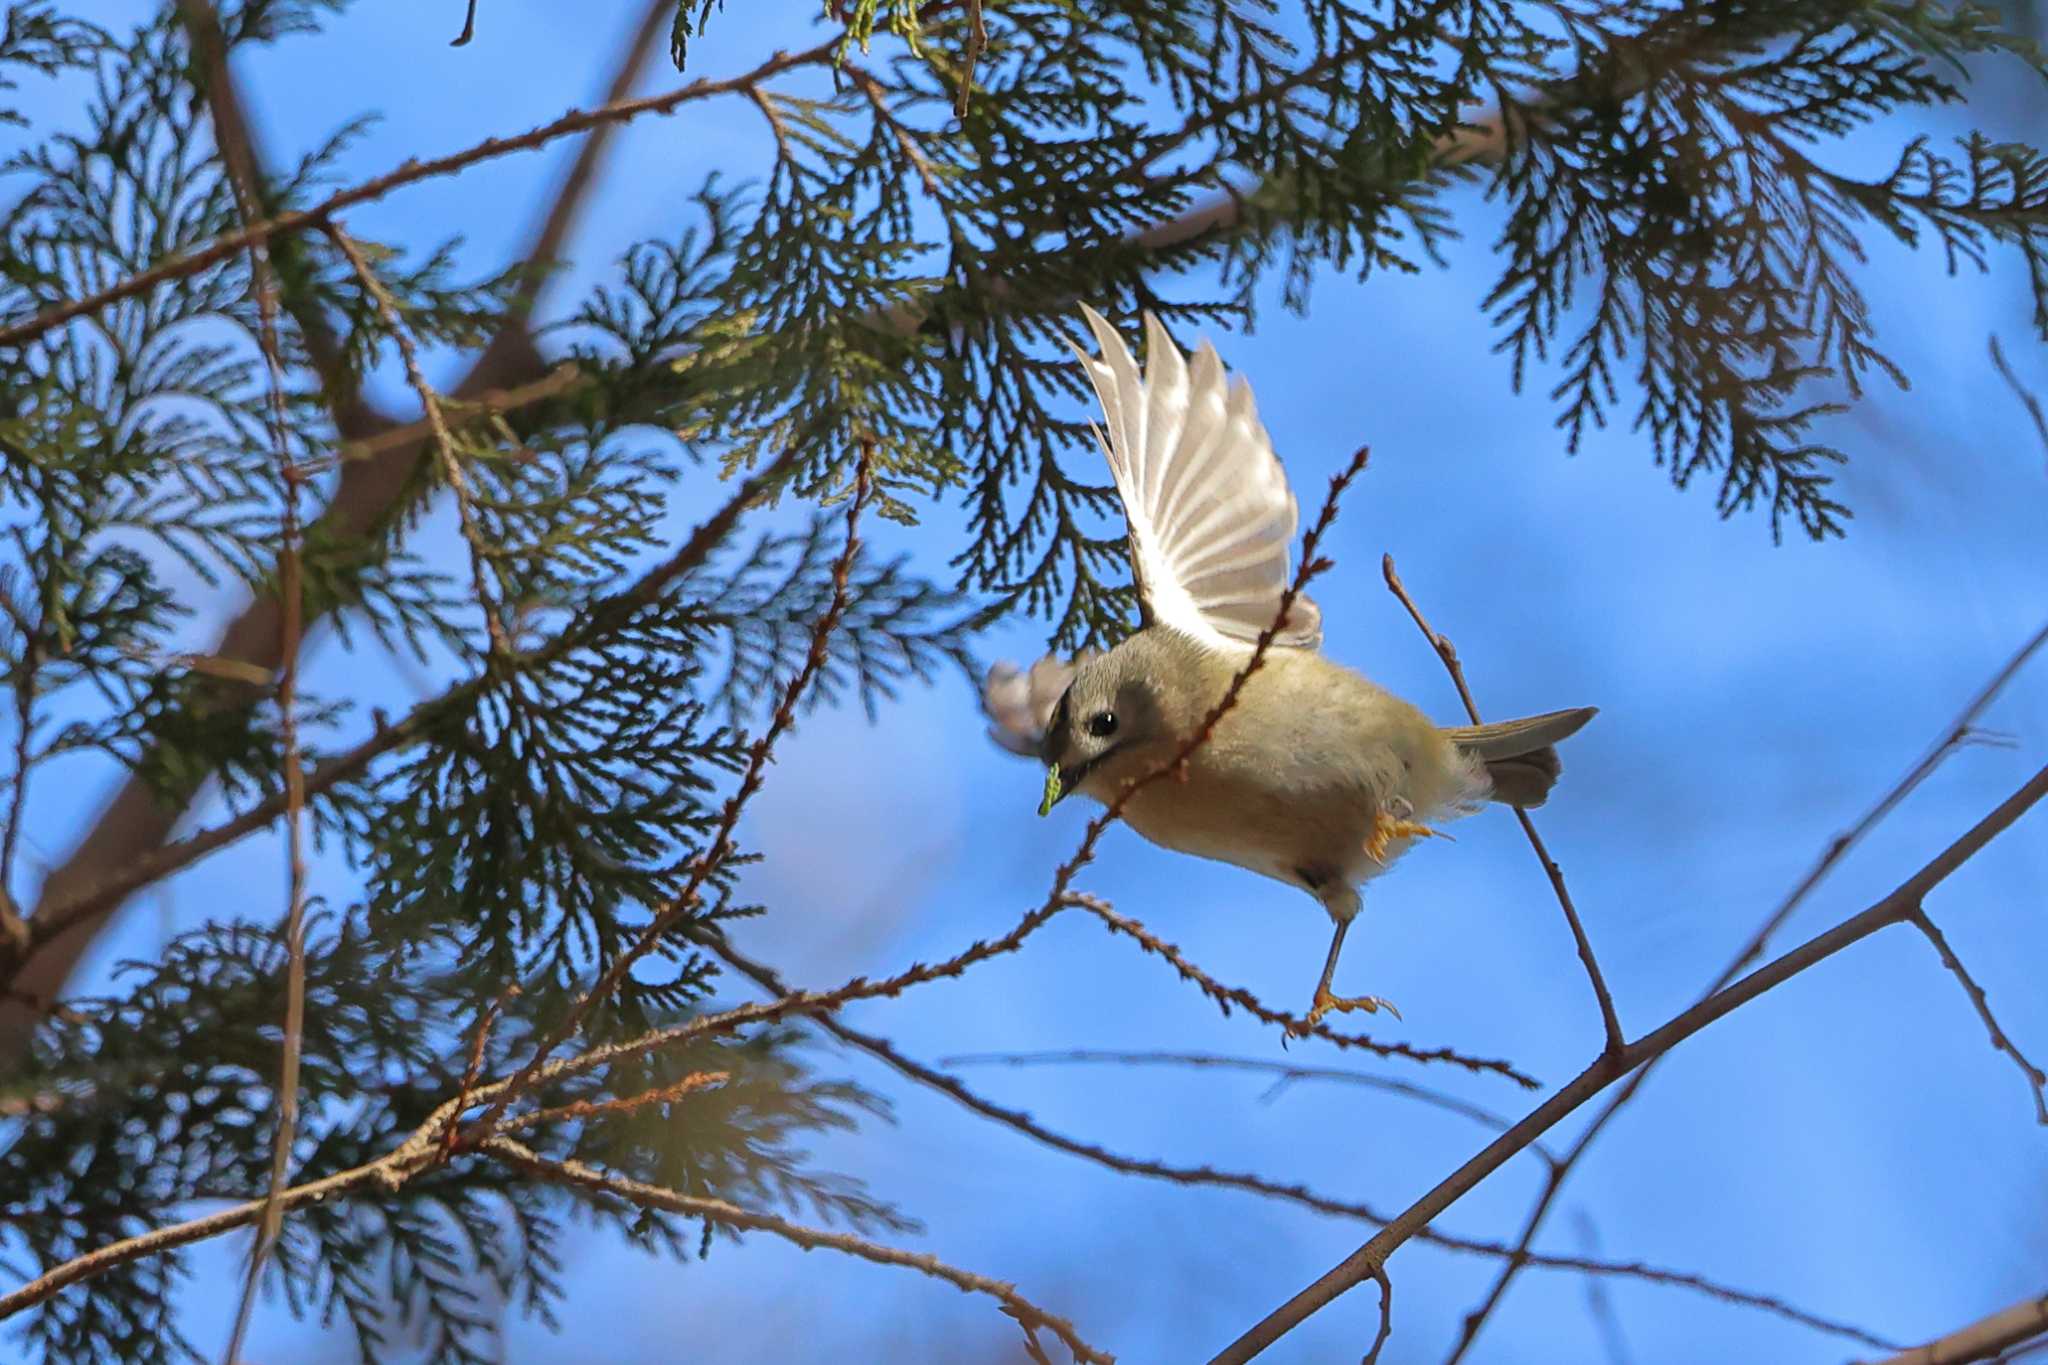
(1052, 789)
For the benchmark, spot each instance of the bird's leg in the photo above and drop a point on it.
(1326, 1003)
(1393, 823)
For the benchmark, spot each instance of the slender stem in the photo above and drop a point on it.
(1895, 908)
(1954, 737)
(1610, 1022)
(2000, 1040)
(1986, 1339)
(719, 1211)
(237, 148)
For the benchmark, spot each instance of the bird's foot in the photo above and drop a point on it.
(1387, 828)
(1326, 1003)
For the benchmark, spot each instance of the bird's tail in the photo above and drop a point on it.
(1520, 756)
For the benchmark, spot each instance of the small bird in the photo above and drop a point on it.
(1315, 777)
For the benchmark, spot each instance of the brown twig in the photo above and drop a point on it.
(444, 443)
(573, 195)
(718, 848)
(457, 411)
(1959, 732)
(1386, 1316)
(244, 176)
(1986, 1339)
(1283, 1074)
(1018, 1121)
(1610, 1023)
(625, 1104)
(1999, 1039)
(479, 1041)
(1896, 908)
(1228, 996)
(643, 1195)
(391, 1171)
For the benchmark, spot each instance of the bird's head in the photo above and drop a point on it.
(1109, 725)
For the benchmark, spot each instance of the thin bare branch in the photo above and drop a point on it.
(1896, 908)
(1610, 1023)
(389, 1171)
(559, 222)
(2028, 399)
(1283, 1074)
(643, 1195)
(238, 150)
(1020, 1122)
(1227, 997)
(1386, 1316)
(1986, 1339)
(576, 1110)
(1999, 1038)
(1959, 732)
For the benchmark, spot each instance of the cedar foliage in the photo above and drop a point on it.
(897, 278)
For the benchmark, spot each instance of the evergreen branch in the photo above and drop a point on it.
(1448, 653)
(718, 1211)
(1958, 733)
(389, 1171)
(58, 917)
(408, 173)
(444, 444)
(719, 848)
(536, 1073)
(1895, 908)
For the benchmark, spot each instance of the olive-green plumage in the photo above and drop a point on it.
(1298, 772)
(1314, 776)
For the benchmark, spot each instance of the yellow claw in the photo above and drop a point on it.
(1326, 1003)
(1387, 828)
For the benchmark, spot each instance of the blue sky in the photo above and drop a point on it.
(1850, 1143)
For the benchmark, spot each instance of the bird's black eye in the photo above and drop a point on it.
(1102, 724)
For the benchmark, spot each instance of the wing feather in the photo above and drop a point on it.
(1211, 517)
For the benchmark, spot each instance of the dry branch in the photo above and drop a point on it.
(2000, 1040)
(1227, 997)
(643, 1195)
(955, 1089)
(1896, 908)
(1986, 1339)
(1448, 652)
(1960, 730)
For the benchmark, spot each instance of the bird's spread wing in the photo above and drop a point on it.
(1020, 704)
(1210, 512)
